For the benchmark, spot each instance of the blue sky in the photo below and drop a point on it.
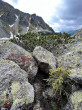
(61, 15)
(15, 1)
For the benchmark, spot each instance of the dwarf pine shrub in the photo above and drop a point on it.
(60, 82)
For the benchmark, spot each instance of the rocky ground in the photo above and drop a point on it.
(21, 77)
(22, 74)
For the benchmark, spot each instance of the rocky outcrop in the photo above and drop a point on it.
(41, 26)
(15, 90)
(46, 60)
(78, 33)
(14, 87)
(73, 60)
(24, 59)
(4, 29)
(9, 15)
(75, 101)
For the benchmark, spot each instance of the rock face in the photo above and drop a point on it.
(4, 29)
(79, 33)
(46, 60)
(75, 101)
(73, 60)
(14, 87)
(24, 59)
(41, 26)
(9, 15)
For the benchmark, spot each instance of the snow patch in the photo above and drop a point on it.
(15, 37)
(36, 28)
(27, 29)
(16, 17)
(18, 33)
(4, 39)
(11, 35)
(1, 15)
(11, 25)
(38, 37)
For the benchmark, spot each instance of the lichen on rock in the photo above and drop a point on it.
(75, 101)
(20, 56)
(14, 86)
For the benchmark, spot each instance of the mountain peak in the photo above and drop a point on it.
(20, 21)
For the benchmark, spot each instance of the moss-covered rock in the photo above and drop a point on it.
(14, 87)
(75, 101)
(72, 60)
(20, 56)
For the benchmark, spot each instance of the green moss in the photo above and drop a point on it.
(76, 100)
(76, 71)
(16, 89)
(3, 62)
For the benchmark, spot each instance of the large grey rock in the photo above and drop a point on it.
(75, 101)
(15, 90)
(24, 59)
(73, 60)
(46, 60)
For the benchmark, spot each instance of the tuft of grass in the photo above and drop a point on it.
(60, 81)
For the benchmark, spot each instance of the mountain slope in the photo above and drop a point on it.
(20, 22)
(4, 29)
(78, 32)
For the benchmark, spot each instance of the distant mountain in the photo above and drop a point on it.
(71, 32)
(15, 21)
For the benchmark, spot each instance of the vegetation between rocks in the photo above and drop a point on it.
(61, 87)
(59, 79)
(30, 40)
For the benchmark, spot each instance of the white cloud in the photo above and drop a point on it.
(56, 27)
(61, 26)
(61, 21)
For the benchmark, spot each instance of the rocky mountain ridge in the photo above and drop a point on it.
(20, 22)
